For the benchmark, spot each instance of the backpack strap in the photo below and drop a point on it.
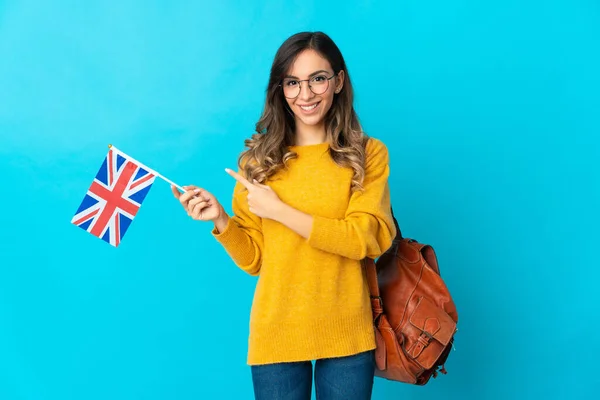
(376, 301)
(398, 232)
(371, 270)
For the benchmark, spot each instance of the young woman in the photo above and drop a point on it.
(311, 201)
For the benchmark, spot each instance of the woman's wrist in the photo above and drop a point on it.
(221, 222)
(296, 220)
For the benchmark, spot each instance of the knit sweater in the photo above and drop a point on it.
(311, 299)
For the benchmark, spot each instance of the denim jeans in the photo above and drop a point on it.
(342, 378)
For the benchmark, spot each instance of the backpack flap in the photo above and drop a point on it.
(432, 330)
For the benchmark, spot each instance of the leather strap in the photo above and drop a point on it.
(371, 269)
(398, 232)
(372, 277)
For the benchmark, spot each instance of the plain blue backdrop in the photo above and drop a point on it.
(490, 110)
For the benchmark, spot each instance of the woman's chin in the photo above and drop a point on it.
(310, 120)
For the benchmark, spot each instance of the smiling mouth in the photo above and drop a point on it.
(310, 107)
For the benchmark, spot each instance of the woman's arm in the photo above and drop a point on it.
(367, 230)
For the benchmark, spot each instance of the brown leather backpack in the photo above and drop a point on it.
(414, 315)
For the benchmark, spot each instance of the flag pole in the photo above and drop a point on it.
(110, 146)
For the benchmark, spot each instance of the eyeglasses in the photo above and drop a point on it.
(318, 84)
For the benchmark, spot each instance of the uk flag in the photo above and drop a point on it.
(114, 198)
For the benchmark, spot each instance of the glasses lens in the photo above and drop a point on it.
(291, 88)
(319, 84)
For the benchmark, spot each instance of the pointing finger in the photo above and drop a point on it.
(240, 179)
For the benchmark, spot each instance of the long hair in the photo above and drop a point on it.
(267, 150)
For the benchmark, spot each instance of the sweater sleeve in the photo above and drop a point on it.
(242, 238)
(367, 229)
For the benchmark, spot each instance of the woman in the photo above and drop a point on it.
(311, 201)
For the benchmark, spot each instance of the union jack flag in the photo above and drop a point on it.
(114, 198)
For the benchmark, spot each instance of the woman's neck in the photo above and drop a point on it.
(310, 134)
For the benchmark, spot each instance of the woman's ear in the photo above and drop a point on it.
(339, 81)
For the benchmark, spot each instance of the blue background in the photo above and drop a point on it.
(490, 110)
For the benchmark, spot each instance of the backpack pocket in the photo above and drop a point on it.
(429, 333)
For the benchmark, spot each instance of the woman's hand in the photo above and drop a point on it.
(200, 204)
(262, 200)
(265, 203)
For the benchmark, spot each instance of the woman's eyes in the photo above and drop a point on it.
(315, 79)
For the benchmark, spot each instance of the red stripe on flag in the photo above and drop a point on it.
(110, 168)
(144, 179)
(85, 218)
(114, 199)
(117, 231)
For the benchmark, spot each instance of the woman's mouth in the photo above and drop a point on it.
(309, 108)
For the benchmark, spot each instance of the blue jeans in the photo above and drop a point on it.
(343, 378)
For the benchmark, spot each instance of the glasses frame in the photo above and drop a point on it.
(309, 87)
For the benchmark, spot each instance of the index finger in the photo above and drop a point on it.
(188, 194)
(240, 179)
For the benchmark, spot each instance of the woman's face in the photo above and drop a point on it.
(311, 106)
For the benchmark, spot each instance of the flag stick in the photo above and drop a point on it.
(110, 146)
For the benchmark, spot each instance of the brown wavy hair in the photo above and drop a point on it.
(267, 150)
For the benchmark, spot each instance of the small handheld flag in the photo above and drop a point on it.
(115, 196)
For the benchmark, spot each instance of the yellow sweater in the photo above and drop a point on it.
(311, 299)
